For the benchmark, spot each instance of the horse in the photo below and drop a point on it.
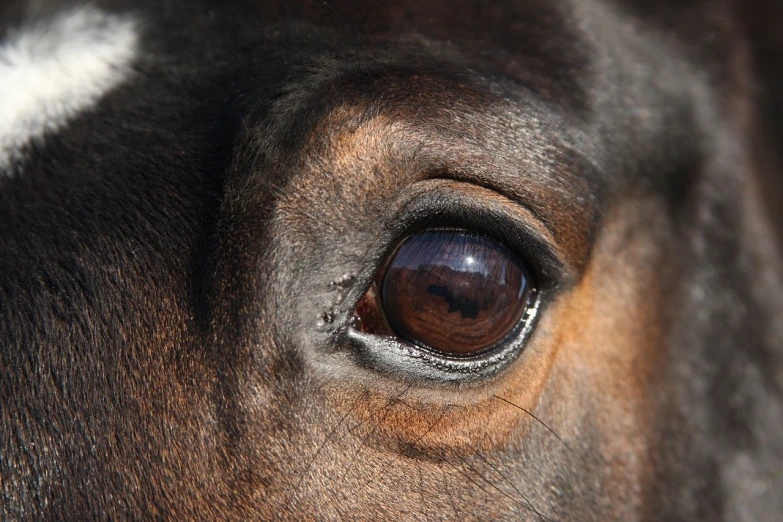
(402, 260)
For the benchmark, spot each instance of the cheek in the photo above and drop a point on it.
(605, 380)
(591, 373)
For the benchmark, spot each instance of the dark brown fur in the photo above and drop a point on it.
(180, 266)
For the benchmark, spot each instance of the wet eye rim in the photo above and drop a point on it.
(401, 359)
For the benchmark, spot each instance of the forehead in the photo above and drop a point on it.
(525, 39)
(544, 102)
(553, 65)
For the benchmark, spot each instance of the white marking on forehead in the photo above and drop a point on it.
(50, 71)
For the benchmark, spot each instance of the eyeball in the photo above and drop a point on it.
(454, 292)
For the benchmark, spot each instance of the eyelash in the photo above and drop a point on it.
(544, 264)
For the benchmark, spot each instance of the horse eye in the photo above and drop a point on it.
(454, 292)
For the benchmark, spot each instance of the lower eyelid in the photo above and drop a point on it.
(415, 365)
(408, 363)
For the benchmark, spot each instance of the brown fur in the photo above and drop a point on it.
(180, 267)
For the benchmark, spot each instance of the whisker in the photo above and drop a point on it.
(508, 481)
(417, 441)
(478, 485)
(387, 411)
(332, 9)
(536, 418)
(324, 443)
(422, 500)
(515, 500)
(447, 487)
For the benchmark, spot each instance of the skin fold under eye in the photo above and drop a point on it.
(453, 291)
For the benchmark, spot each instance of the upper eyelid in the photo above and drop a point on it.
(463, 196)
(561, 191)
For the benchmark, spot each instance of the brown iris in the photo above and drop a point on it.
(453, 291)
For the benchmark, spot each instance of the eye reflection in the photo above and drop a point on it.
(453, 291)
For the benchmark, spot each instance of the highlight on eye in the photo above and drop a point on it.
(451, 291)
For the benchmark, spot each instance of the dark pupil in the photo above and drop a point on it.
(455, 292)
